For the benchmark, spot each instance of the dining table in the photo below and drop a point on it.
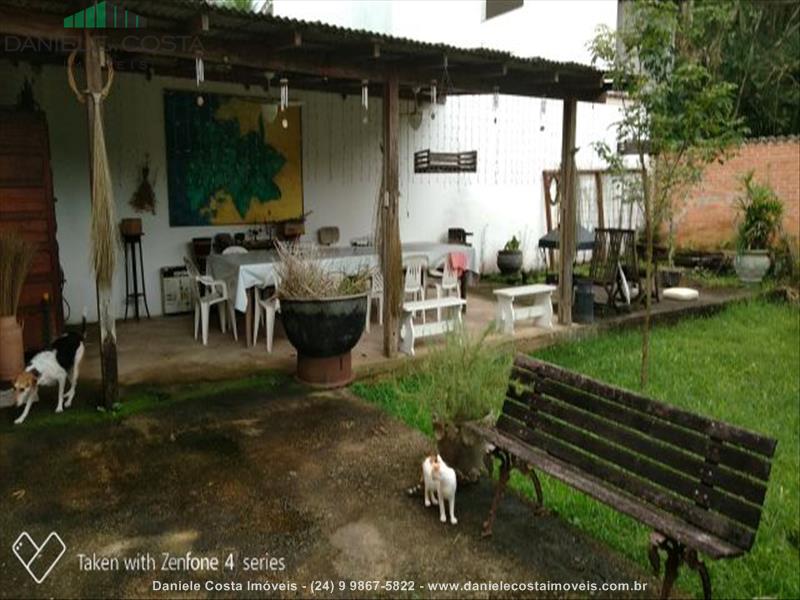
(244, 273)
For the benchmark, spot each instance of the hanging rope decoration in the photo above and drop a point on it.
(542, 111)
(103, 228)
(433, 98)
(81, 95)
(200, 76)
(284, 102)
(365, 101)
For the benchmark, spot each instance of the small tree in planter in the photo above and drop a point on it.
(509, 259)
(323, 313)
(761, 212)
(459, 382)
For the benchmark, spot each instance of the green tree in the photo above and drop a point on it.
(756, 46)
(677, 115)
(243, 5)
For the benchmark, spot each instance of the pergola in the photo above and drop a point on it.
(247, 48)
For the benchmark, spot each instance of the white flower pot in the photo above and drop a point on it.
(752, 265)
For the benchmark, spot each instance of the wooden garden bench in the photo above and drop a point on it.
(699, 484)
(410, 331)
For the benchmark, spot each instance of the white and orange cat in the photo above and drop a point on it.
(440, 484)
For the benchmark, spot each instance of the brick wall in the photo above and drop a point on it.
(707, 220)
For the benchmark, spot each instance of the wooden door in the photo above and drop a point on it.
(27, 207)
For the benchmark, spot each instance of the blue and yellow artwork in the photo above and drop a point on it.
(230, 160)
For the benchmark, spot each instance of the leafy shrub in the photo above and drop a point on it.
(761, 212)
(512, 245)
(461, 380)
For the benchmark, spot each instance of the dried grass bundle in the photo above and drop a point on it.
(16, 255)
(105, 237)
(303, 274)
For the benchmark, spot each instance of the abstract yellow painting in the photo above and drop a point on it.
(232, 160)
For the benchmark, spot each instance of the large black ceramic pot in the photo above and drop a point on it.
(509, 261)
(323, 332)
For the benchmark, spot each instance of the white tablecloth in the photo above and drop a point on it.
(257, 268)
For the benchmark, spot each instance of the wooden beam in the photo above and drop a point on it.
(262, 55)
(391, 256)
(105, 292)
(289, 41)
(568, 201)
(200, 24)
(598, 184)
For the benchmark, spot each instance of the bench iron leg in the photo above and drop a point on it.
(677, 554)
(536, 485)
(694, 563)
(502, 481)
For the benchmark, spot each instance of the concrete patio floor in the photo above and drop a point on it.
(163, 350)
(316, 480)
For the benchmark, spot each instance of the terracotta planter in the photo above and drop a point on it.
(752, 265)
(12, 352)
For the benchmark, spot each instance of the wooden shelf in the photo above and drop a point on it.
(426, 161)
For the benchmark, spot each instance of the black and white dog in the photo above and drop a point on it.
(55, 366)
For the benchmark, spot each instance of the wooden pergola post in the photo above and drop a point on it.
(390, 251)
(568, 201)
(105, 291)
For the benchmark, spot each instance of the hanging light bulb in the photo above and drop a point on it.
(284, 101)
(365, 100)
(495, 101)
(542, 111)
(433, 98)
(199, 70)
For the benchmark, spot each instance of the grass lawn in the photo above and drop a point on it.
(742, 366)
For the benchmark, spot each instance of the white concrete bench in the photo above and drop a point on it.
(410, 331)
(541, 311)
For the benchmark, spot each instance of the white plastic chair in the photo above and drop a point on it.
(375, 293)
(235, 250)
(207, 292)
(448, 284)
(269, 305)
(414, 283)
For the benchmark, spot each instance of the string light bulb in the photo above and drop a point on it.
(284, 101)
(365, 100)
(199, 70)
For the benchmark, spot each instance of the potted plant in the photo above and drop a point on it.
(760, 211)
(459, 382)
(323, 313)
(16, 255)
(509, 259)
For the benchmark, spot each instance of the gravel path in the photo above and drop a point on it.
(291, 490)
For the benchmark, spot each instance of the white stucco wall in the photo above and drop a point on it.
(341, 169)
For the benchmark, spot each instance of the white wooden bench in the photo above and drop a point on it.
(410, 331)
(541, 311)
